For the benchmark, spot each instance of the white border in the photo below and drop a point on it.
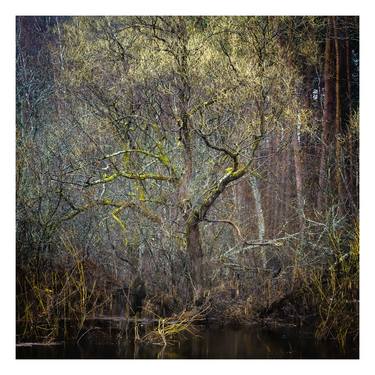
(185, 7)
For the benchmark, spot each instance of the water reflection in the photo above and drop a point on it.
(117, 341)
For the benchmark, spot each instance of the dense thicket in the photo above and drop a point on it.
(215, 159)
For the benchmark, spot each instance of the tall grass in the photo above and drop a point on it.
(56, 303)
(335, 289)
(168, 329)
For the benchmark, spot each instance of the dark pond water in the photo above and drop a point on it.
(211, 342)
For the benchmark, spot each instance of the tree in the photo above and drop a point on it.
(175, 123)
(338, 64)
(194, 156)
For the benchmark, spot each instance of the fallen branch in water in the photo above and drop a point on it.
(167, 328)
(30, 344)
(86, 332)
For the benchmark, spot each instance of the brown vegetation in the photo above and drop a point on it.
(177, 169)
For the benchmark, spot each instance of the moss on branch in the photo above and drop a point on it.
(212, 194)
(132, 176)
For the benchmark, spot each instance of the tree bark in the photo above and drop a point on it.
(299, 182)
(243, 206)
(338, 128)
(194, 249)
(260, 216)
(272, 207)
(328, 118)
(349, 105)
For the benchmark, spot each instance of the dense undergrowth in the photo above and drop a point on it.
(55, 304)
(334, 290)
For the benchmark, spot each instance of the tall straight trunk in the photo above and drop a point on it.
(328, 118)
(285, 184)
(297, 155)
(260, 216)
(243, 206)
(298, 174)
(268, 190)
(350, 105)
(348, 72)
(272, 208)
(338, 128)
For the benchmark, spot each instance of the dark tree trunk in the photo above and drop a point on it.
(338, 128)
(260, 216)
(328, 117)
(194, 249)
(243, 206)
(350, 108)
(299, 182)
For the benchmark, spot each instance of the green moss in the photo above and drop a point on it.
(117, 218)
(229, 170)
(165, 160)
(109, 178)
(239, 172)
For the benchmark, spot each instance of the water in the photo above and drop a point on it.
(211, 342)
